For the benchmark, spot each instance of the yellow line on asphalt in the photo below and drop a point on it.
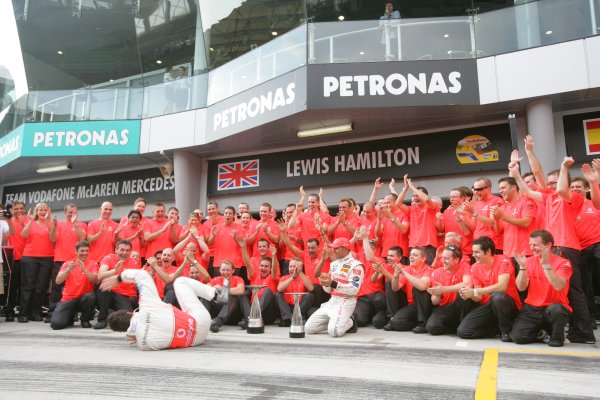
(488, 376)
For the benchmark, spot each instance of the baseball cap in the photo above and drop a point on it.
(340, 242)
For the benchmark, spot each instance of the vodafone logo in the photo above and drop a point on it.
(180, 333)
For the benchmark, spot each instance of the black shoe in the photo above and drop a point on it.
(222, 294)
(387, 327)
(243, 324)
(215, 325)
(582, 340)
(284, 323)
(555, 342)
(420, 328)
(86, 324)
(10, 318)
(101, 325)
(505, 338)
(23, 320)
(47, 320)
(354, 327)
(37, 318)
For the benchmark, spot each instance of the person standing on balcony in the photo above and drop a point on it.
(390, 29)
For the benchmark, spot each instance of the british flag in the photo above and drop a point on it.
(237, 175)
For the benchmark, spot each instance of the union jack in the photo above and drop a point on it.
(237, 175)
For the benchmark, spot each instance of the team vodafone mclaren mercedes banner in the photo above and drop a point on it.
(91, 191)
(393, 84)
(466, 150)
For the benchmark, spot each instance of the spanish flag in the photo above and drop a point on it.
(592, 135)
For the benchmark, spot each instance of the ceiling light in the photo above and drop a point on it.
(111, 80)
(158, 62)
(274, 33)
(325, 130)
(341, 18)
(211, 49)
(60, 52)
(548, 32)
(362, 53)
(446, 35)
(56, 168)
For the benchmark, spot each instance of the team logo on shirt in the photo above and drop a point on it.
(345, 268)
(475, 149)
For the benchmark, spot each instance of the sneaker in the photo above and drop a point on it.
(86, 324)
(354, 327)
(387, 327)
(582, 340)
(420, 328)
(222, 294)
(542, 337)
(505, 337)
(243, 324)
(23, 320)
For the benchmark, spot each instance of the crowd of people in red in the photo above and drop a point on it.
(520, 266)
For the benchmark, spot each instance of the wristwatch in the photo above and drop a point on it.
(547, 267)
(474, 213)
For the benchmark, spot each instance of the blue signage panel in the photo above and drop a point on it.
(11, 146)
(81, 138)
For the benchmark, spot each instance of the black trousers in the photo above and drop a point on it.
(531, 319)
(589, 264)
(424, 305)
(267, 305)
(286, 309)
(394, 301)
(114, 301)
(13, 296)
(284, 267)
(445, 319)
(580, 324)
(56, 289)
(221, 313)
(485, 320)
(35, 280)
(405, 318)
(371, 308)
(65, 311)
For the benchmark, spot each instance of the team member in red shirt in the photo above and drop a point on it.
(37, 261)
(295, 235)
(587, 226)
(100, 233)
(515, 219)
(455, 219)
(124, 296)
(494, 291)
(482, 223)
(546, 278)
(562, 208)
(161, 231)
(384, 269)
(422, 213)
(265, 229)
(17, 242)
(391, 228)
(262, 270)
(370, 302)
(448, 308)
(214, 219)
(226, 247)
(346, 222)
(79, 275)
(310, 220)
(139, 205)
(314, 262)
(236, 288)
(295, 282)
(69, 232)
(132, 229)
(413, 279)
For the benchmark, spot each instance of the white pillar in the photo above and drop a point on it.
(540, 125)
(188, 177)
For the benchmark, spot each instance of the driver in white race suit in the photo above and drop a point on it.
(343, 282)
(159, 325)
